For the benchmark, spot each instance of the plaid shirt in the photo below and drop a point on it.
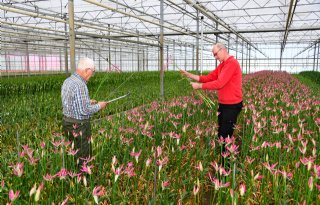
(75, 98)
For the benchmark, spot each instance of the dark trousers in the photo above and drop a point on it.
(228, 118)
(79, 133)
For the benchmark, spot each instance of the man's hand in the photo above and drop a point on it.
(196, 86)
(93, 102)
(102, 104)
(190, 75)
(185, 73)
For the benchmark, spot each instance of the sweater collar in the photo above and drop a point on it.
(79, 77)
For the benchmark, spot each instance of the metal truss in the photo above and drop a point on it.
(253, 24)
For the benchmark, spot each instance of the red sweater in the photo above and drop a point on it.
(227, 79)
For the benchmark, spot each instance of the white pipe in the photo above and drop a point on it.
(36, 15)
(132, 15)
(27, 26)
(201, 47)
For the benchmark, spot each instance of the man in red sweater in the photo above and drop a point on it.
(227, 79)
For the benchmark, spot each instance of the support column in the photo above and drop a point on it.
(147, 60)
(45, 62)
(201, 45)
(109, 59)
(132, 68)
(192, 57)
(28, 59)
(167, 57)
(60, 59)
(120, 56)
(249, 59)
(314, 56)
(197, 44)
(217, 39)
(72, 36)
(7, 63)
(242, 54)
(161, 52)
(237, 47)
(65, 46)
(318, 56)
(40, 58)
(115, 57)
(138, 50)
(185, 57)
(174, 55)
(99, 62)
(228, 42)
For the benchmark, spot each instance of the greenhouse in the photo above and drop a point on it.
(160, 102)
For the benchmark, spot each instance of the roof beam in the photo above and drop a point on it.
(219, 21)
(216, 32)
(308, 47)
(154, 21)
(292, 8)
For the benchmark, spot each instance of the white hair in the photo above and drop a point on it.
(219, 45)
(85, 63)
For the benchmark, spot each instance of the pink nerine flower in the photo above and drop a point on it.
(62, 174)
(317, 171)
(136, 155)
(49, 177)
(270, 167)
(148, 162)
(86, 168)
(118, 172)
(233, 149)
(242, 189)
(13, 195)
(162, 162)
(199, 167)
(307, 161)
(310, 183)
(196, 189)
(33, 190)
(73, 152)
(217, 183)
(129, 170)
(37, 196)
(97, 191)
(165, 184)
(159, 151)
(18, 169)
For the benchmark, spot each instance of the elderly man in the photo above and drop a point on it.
(77, 108)
(227, 79)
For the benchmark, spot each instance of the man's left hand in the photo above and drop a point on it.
(93, 102)
(196, 86)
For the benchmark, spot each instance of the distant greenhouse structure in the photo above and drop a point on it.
(49, 36)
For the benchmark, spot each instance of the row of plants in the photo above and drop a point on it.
(39, 84)
(312, 75)
(42, 110)
(167, 152)
(310, 81)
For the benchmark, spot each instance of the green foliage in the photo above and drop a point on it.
(30, 85)
(311, 80)
(36, 101)
(277, 135)
(312, 75)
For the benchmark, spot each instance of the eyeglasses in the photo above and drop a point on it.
(216, 53)
(92, 69)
